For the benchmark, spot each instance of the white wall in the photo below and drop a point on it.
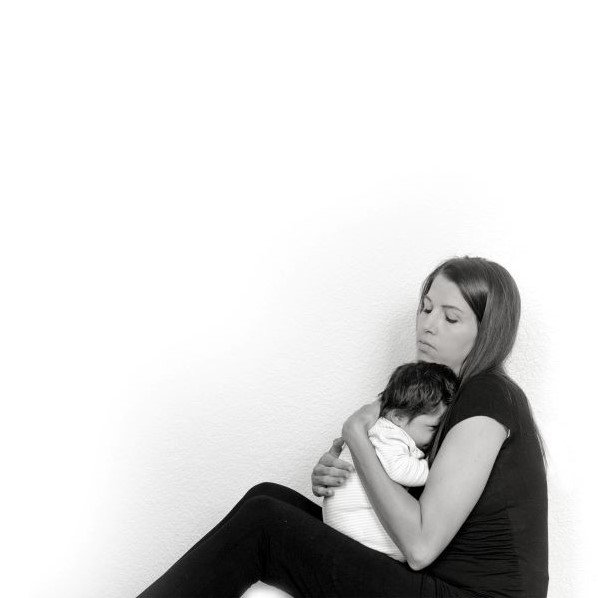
(215, 221)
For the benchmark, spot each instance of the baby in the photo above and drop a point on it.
(412, 405)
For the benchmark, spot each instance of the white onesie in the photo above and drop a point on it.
(349, 510)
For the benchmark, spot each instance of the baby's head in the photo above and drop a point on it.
(416, 398)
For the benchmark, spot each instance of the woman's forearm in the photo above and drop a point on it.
(423, 528)
(398, 511)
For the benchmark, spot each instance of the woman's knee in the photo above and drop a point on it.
(265, 489)
(285, 495)
(260, 510)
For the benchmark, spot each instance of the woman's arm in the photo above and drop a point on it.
(422, 528)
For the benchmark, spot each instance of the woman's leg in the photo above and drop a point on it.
(277, 491)
(273, 490)
(268, 539)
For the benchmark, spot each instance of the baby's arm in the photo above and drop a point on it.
(405, 468)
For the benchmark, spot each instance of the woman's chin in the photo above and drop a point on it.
(421, 356)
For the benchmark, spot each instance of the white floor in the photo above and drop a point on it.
(261, 590)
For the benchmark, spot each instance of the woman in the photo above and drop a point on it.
(479, 528)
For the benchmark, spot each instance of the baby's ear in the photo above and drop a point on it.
(395, 417)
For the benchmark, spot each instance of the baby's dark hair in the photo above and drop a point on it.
(418, 388)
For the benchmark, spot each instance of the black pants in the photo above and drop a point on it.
(276, 535)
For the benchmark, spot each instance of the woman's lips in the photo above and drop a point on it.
(426, 347)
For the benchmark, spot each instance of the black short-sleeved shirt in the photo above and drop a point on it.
(502, 548)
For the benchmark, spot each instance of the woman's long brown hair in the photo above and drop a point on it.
(492, 294)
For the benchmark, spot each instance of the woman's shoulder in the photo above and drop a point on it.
(490, 394)
(492, 378)
(492, 385)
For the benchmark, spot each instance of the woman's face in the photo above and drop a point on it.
(446, 327)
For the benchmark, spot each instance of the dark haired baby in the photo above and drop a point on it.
(411, 408)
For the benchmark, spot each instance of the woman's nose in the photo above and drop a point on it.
(431, 322)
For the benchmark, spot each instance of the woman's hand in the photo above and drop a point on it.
(330, 470)
(361, 421)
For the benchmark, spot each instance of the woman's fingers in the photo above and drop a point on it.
(329, 480)
(322, 491)
(328, 476)
(329, 460)
(322, 470)
(330, 471)
(337, 447)
(323, 484)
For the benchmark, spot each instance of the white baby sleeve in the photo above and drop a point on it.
(402, 460)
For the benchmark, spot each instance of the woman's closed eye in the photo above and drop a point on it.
(450, 320)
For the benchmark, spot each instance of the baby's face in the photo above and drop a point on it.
(422, 427)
